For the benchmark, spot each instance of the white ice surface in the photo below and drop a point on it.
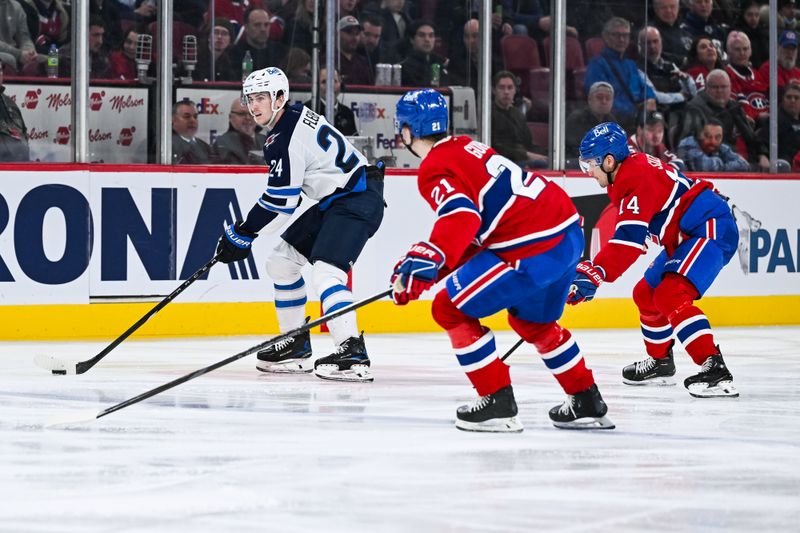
(239, 450)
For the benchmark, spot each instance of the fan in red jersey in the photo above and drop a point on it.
(695, 226)
(511, 240)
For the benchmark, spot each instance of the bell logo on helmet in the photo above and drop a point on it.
(601, 130)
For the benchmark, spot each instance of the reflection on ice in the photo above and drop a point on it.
(239, 450)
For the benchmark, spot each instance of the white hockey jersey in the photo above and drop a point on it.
(305, 154)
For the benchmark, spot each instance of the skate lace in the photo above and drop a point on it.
(706, 366)
(280, 345)
(642, 367)
(479, 404)
(568, 407)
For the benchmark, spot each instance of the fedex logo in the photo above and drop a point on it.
(206, 107)
(368, 111)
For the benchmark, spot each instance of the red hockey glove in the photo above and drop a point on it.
(586, 283)
(416, 272)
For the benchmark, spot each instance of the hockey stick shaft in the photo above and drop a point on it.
(512, 350)
(83, 366)
(197, 373)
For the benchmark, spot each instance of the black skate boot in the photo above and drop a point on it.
(289, 356)
(650, 371)
(350, 362)
(714, 380)
(494, 413)
(585, 410)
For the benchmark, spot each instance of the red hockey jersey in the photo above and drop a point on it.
(484, 199)
(750, 89)
(650, 198)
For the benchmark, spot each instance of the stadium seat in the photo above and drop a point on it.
(520, 55)
(594, 45)
(539, 84)
(540, 133)
(574, 53)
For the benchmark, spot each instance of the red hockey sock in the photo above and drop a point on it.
(656, 329)
(674, 298)
(559, 352)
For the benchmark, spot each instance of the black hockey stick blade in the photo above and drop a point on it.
(60, 367)
(197, 373)
(512, 350)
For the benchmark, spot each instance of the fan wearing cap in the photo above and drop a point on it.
(511, 240)
(354, 66)
(307, 155)
(649, 138)
(694, 225)
(787, 59)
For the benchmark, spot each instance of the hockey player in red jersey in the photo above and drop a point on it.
(511, 240)
(696, 228)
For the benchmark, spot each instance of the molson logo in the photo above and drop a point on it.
(96, 100)
(31, 99)
(58, 100)
(96, 135)
(37, 135)
(126, 136)
(62, 135)
(121, 103)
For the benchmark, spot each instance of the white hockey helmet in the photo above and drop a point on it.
(270, 80)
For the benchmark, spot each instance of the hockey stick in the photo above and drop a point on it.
(60, 367)
(513, 348)
(197, 373)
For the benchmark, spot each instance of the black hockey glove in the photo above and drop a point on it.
(235, 243)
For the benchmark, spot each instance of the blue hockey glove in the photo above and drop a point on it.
(416, 272)
(235, 243)
(585, 283)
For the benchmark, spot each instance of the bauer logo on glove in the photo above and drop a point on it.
(416, 272)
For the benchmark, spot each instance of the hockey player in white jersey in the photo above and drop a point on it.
(307, 154)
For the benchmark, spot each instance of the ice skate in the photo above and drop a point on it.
(494, 413)
(713, 381)
(584, 410)
(289, 356)
(650, 371)
(350, 362)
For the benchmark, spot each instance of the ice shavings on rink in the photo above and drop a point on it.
(240, 450)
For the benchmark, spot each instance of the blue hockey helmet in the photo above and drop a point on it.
(424, 111)
(602, 140)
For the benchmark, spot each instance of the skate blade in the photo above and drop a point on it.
(497, 425)
(723, 389)
(356, 373)
(290, 366)
(587, 422)
(658, 382)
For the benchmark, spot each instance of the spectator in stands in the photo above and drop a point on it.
(343, 117)
(787, 59)
(787, 15)
(53, 25)
(600, 100)
(613, 67)
(372, 43)
(222, 50)
(510, 134)
(13, 132)
(747, 85)
(672, 87)
(16, 46)
(649, 138)
(234, 147)
(749, 22)
(354, 65)
(702, 59)
(264, 52)
(528, 18)
(788, 126)
(418, 64)
(298, 66)
(123, 60)
(187, 149)
(297, 33)
(463, 67)
(99, 64)
(698, 21)
(395, 23)
(110, 14)
(715, 102)
(706, 152)
(676, 41)
(349, 7)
